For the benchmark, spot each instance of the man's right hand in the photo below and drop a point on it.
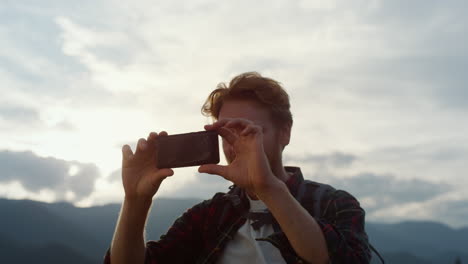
(140, 176)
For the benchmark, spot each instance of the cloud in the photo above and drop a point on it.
(115, 176)
(184, 184)
(395, 184)
(437, 77)
(36, 173)
(66, 125)
(200, 185)
(388, 50)
(400, 11)
(335, 159)
(368, 36)
(23, 119)
(379, 189)
(387, 190)
(34, 68)
(426, 39)
(19, 114)
(454, 211)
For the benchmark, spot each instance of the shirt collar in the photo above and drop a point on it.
(294, 180)
(239, 198)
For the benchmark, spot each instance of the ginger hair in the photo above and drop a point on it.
(252, 86)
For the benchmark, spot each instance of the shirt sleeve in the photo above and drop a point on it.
(342, 223)
(181, 244)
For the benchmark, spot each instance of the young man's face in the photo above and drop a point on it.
(274, 139)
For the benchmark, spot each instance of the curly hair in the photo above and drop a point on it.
(252, 86)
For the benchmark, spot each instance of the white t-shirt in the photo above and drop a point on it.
(243, 248)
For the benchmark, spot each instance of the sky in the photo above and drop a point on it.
(377, 87)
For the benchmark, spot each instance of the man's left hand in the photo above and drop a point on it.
(250, 168)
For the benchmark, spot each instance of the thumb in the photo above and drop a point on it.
(160, 175)
(213, 169)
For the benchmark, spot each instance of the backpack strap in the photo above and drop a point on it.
(377, 253)
(234, 196)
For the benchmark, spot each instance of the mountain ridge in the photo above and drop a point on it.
(86, 233)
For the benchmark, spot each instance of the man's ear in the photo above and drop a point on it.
(285, 135)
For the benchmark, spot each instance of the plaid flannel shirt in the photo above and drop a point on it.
(202, 232)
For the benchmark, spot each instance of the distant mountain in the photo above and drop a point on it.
(422, 237)
(402, 258)
(34, 225)
(62, 233)
(428, 240)
(12, 251)
(101, 220)
(86, 230)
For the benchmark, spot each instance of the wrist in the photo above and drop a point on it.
(134, 214)
(271, 189)
(137, 203)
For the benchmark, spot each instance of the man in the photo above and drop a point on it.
(254, 120)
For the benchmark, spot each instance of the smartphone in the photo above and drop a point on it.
(189, 149)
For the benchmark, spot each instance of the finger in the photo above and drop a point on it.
(228, 135)
(156, 150)
(251, 129)
(142, 146)
(127, 153)
(152, 136)
(213, 169)
(160, 175)
(151, 140)
(217, 124)
(238, 122)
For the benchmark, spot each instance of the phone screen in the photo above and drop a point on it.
(190, 149)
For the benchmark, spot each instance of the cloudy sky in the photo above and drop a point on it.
(378, 92)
